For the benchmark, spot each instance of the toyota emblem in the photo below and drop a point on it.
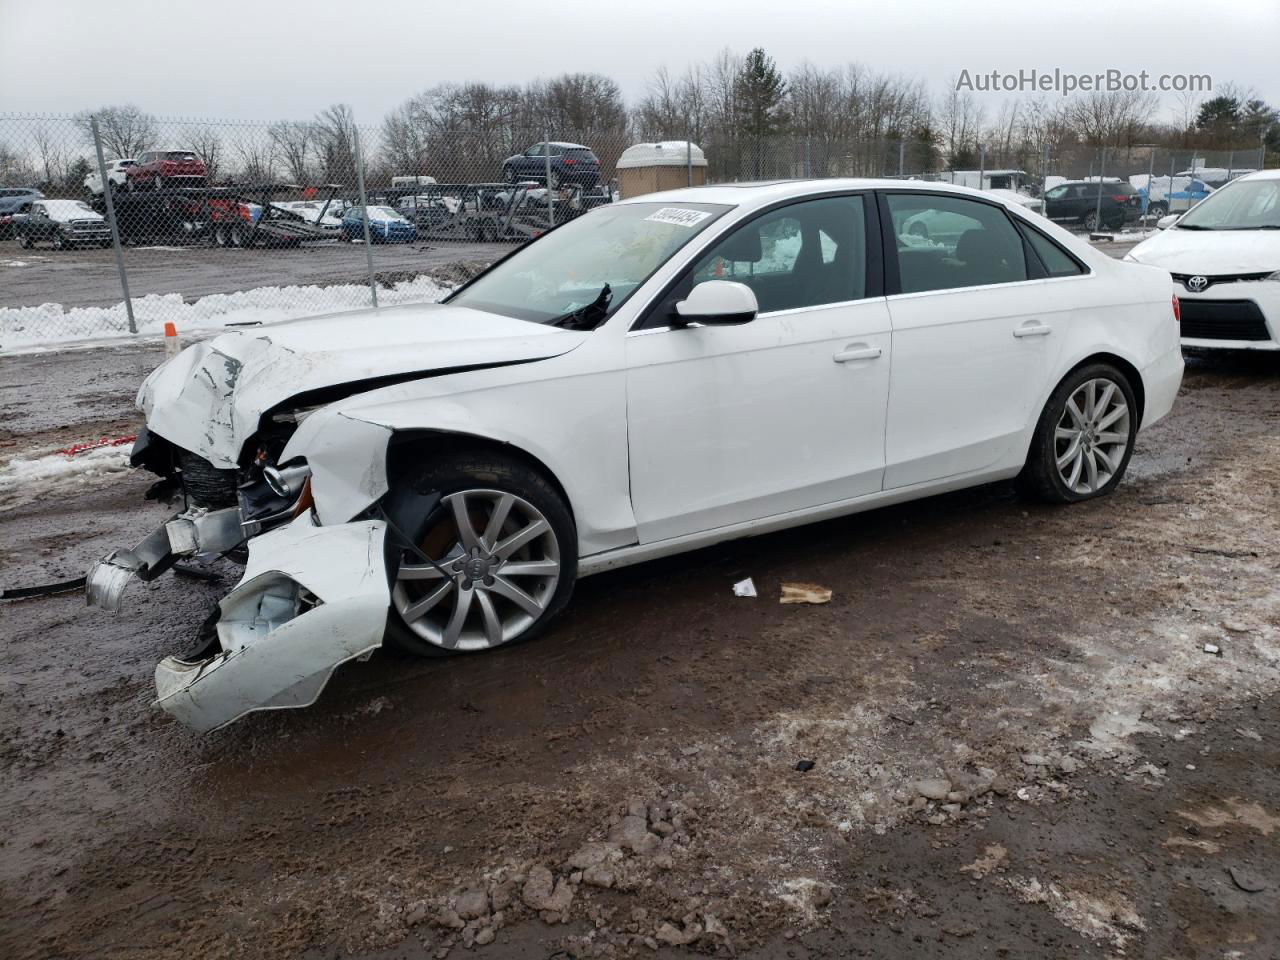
(1196, 284)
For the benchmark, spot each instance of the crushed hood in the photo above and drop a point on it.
(1211, 252)
(210, 398)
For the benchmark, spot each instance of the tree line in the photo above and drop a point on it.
(751, 119)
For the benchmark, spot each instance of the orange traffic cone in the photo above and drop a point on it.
(171, 342)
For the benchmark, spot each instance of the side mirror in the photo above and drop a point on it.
(719, 302)
(1165, 222)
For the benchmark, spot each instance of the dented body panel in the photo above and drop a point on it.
(311, 599)
(210, 398)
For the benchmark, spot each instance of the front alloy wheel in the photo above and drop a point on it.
(1084, 437)
(503, 558)
(496, 578)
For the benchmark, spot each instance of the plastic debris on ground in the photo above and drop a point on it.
(745, 588)
(805, 593)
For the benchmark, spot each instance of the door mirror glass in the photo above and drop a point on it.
(1164, 223)
(718, 302)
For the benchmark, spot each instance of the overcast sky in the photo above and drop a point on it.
(275, 59)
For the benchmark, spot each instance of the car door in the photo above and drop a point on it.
(972, 339)
(531, 163)
(39, 226)
(1056, 202)
(729, 424)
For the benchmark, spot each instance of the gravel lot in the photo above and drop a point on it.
(1019, 747)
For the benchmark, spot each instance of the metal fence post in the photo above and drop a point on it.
(1102, 169)
(111, 222)
(546, 163)
(1231, 162)
(982, 165)
(688, 156)
(902, 156)
(1151, 170)
(364, 210)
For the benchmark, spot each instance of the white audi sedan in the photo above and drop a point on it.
(657, 375)
(1224, 254)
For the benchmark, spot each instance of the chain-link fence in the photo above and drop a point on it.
(122, 223)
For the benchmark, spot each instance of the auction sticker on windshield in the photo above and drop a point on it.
(679, 216)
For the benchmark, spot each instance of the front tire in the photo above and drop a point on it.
(1084, 438)
(505, 539)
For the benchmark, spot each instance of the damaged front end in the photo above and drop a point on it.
(311, 598)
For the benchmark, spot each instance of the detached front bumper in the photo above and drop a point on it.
(311, 599)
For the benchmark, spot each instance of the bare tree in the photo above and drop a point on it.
(335, 143)
(206, 143)
(126, 131)
(1108, 119)
(293, 144)
(52, 152)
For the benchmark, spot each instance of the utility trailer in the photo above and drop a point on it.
(227, 216)
(488, 211)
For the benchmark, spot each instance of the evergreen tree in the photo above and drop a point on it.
(761, 91)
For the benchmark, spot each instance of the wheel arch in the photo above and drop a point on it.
(406, 446)
(1124, 366)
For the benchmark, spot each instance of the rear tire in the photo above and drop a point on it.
(1090, 221)
(543, 569)
(1084, 437)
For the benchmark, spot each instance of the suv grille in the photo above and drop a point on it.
(1223, 320)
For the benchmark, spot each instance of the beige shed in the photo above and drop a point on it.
(650, 167)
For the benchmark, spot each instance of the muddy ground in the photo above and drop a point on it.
(1098, 785)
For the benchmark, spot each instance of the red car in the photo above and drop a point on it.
(158, 169)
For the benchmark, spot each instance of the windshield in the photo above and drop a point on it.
(581, 273)
(69, 208)
(1240, 205)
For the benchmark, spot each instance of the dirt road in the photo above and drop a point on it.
(1019, 745)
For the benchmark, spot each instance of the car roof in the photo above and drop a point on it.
(761, 193)
(1272, 174)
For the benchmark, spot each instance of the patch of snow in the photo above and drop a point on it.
(21, 479)
(13, 263)
(24, 329)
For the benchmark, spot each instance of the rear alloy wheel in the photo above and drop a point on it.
(59, 242)
(1091, 221)
(25, 242)
(1084, 438)
(505, 559)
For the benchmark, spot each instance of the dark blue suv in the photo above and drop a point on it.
(570, 163)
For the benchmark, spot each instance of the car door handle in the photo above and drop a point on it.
(856, 351)
(1033, 328)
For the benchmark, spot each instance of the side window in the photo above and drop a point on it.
(1056, 261)
(802, 255)
(1057, 193)
(534, 151)
(949, 242)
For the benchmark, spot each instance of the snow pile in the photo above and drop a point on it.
(22, 479)
(26, 327)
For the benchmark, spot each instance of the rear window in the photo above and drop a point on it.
(1125, 188)
(1057, 262)
(580, 152)
(178, 155)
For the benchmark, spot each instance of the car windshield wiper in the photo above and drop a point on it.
(1194, 226)
(588, 317)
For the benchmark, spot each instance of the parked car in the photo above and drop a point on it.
(1076, 201)
(117, 174)
(1164, 195)
(311, 211)
(654, 376)
(570, 163)
(158, 169)
(385, 226)
(426, 212)
(14, 200)
(1224, 255)
(62, 223)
